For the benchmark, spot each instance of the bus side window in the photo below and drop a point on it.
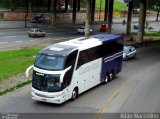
(88, 56)
(83, 58)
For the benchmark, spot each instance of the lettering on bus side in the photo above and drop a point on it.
(83, 70)
(92, 66)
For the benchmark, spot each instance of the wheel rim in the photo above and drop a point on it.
(106, 80)
(111, 76)
(74, 94)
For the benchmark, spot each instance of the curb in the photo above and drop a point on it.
(15, 87)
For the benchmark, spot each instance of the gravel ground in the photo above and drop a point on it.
(12, 81)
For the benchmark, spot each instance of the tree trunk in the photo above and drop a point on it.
(54, 16)
(93, 10)
(158, 10)
(27, 11)
(87, 23)
(110, 15)
(74, 11)
(78, 5)
(49, 5)
(106, 10)
(141, 24)
(66, 5)
(129, 17)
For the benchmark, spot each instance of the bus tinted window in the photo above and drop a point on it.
(94, 53)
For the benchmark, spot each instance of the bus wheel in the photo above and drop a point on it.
(106, 79)
(111, 76)
(74, 94)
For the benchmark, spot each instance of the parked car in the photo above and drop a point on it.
(135, 26)
(81, 30)
(62, 7)
(36, 33)
(129, 52)
(104, 27)
(38, 19)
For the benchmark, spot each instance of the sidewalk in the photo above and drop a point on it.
(21, 24)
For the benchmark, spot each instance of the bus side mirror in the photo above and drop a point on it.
(63, 73)
(28, 71)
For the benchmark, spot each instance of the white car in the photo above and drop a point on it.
(81, 30)
(129, 52)
(36, 33)
(135, 26)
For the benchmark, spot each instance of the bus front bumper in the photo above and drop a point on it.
(58, 99)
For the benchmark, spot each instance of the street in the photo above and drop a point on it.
(11, 38)
(135, 89)
(18, 37)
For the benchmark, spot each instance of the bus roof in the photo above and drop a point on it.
(56, 49)
(82, 43)
(107, 37)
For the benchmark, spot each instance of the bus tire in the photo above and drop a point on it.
(106, 79)
(74, 94)
(111, 76)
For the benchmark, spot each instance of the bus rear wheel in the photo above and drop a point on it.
(111, 76)
(74, 94)
(106, 79)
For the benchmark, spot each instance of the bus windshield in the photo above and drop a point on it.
(49, 62)
(46, 82)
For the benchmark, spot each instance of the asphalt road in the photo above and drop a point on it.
(135, 89)
(18, 37)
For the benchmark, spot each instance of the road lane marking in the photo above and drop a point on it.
(3, 43)
(10, 36)
(105, 106)
(19, 41)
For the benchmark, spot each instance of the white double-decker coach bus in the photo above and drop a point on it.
(64, 70)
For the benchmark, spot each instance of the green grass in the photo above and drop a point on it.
(157, 34)
(15, 62)
(117, 5)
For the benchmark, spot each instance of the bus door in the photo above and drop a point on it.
(68, 77)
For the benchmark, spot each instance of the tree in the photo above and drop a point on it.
(158, 8)
(88, 21)
(49, 5)
(27, 11)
